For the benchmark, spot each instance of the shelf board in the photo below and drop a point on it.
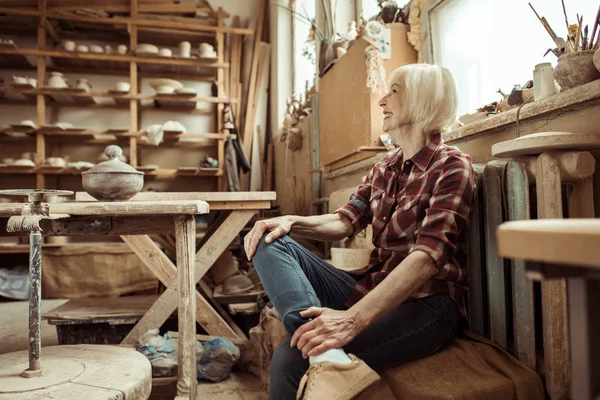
(158, 173)
(101, 62)
(24, 248)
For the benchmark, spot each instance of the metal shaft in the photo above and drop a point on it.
(35, 294)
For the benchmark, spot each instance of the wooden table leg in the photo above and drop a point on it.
(517, 194)
(584, 324)
(185, 231)
(554, 292)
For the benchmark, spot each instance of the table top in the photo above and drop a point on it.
(557, 241)
(117, 208)
(216, 200)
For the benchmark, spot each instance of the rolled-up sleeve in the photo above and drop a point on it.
(358, 209)
(448, 212)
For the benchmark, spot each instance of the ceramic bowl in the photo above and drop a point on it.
(94, 48)
(165, 85)
(146, 49)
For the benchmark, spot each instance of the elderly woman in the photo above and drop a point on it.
(408, 302)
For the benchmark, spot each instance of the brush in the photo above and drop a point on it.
(596, 22)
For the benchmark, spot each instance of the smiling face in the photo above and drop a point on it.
(394, 114)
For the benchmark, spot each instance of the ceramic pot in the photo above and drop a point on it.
(57, 80)
(95, 48)
(575, 69)
(123, 86)
(69, 45)
(164, 52)
(112, 180)
(122, 49)
(596, 59)
(83, 48)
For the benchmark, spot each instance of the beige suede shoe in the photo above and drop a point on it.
(334, 381)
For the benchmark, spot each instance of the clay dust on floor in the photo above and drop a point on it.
(14, 325)
(239, 386)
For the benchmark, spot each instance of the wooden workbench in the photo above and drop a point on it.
(133, 221)
(566, 248)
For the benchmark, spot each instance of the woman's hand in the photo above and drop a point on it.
(278, 227)
(330, 329)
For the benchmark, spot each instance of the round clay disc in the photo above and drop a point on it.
(55, 371)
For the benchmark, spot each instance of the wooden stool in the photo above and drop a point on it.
(93, 372)
(558, 157)
(570, 247)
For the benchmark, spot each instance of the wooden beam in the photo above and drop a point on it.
(158, 262)
(205, 258)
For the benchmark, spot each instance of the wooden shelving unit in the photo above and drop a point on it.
(136, 20)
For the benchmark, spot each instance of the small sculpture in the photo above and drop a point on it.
(352, 32)
(228, 117)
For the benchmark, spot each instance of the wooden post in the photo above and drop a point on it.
(517, 193)
(185, 231)
(134, 90)
(554, 291)
(221, 186)
(496, 273)
(40, 153)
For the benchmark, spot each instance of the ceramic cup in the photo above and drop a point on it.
(122, 49)
(206, 49)
(184, 49)
(69, 45)
(123, 86)
(82, 48)
(108, 49)
(164, 52)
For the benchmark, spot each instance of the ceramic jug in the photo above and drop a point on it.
(83, 84)
(57, 80)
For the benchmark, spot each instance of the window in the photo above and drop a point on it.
(495, 44)
(369, 8)
(304, 50)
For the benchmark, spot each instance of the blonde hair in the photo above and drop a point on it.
(429, 95)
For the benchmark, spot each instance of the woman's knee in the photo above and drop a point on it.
(266, 252)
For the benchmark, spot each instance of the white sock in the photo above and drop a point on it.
(333, 355)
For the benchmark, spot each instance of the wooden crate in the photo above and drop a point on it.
(350, 119)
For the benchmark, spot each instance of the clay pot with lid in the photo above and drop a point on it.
(113, 180)
(575, 69)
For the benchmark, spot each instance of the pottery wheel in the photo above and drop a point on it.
(90, 372)
(54, 372)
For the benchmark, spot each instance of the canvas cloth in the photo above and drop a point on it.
(471, 368)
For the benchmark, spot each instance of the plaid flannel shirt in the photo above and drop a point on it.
(423, 206)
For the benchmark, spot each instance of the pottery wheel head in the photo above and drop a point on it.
(35, 194)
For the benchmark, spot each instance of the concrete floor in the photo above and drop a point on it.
(14, 327)
(14, 333)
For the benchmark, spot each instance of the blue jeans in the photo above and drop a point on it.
(295, 279)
